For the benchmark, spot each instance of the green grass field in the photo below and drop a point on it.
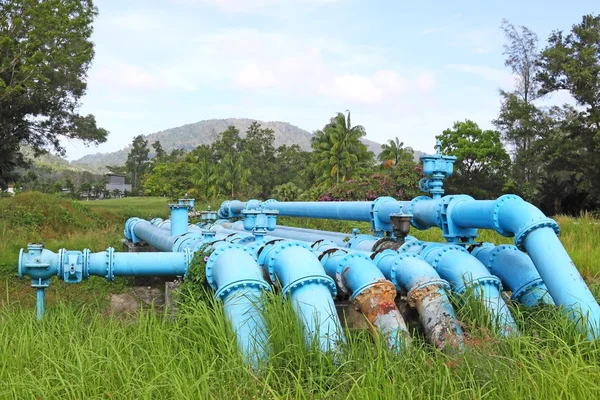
(80, 352)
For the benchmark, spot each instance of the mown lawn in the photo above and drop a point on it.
(80, 352)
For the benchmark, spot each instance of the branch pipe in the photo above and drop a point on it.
(516, 272)
(426, 292)
(356, 275)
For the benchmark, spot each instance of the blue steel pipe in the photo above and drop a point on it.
(356, 274)
(308, 287)
(516, 272)
(179, 219)
(463, 271)
(427, 292)
(237, 280)
(510, 215)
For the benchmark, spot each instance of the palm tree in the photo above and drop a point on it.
(395, 150)
(339, 149)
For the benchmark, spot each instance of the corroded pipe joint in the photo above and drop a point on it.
(417, 293)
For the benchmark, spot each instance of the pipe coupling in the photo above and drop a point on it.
(424, 289)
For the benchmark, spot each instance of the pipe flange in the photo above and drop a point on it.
(521, 237)
(380, 286)
(412, 246)
(269, 201)
(278, 247)
(519, 293)
(496, 214)
(438, 251)
(307, 280)
(484, 280)
(399, 258)
(411, 209)
(213, 256)
(181, 239)
(422, 289)
(342, 264)
(489, 263)
(232, 287)
(110, 264)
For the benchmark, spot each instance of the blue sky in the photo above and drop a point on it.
(405, 69)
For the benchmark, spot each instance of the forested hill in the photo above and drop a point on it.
(190, 136)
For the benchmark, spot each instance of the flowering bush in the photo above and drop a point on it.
(400, 181)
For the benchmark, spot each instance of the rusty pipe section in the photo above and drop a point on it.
(356, 274)
(427, 292)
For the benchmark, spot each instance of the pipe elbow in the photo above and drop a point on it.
(231, 267)
(514, 216)
(280, 258)
(516, 272)
(458, 267)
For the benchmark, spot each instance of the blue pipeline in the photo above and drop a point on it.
(309, 288)
(237, 280)
(356, 275)
(464, 272)
(427, 292)
(516, 271)
(39, 305)
(537, 234)
(179, 219)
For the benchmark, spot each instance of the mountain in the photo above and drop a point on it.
(190, 136)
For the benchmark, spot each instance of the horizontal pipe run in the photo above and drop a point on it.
(516, 272)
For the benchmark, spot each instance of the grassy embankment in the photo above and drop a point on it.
(78, 352)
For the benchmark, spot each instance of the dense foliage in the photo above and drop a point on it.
(45, 53)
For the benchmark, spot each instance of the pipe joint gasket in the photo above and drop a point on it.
(178, 245)
(243, 284)
(412, 246)
(421, 290)
(496, 214)
(521, 236)
(526, 288)
(279, 247)
(411, 211)
(309, 280)
(345, 262)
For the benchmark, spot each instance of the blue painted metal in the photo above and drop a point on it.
(355, 274)
(179, 219)
(40, 303)
(437, 167)
(516, 271)
(308, 287)
(537, 234)
(189, 203)
(426, 292)
(233, 273)
(463, 271)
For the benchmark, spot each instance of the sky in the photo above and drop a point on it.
(403, 69)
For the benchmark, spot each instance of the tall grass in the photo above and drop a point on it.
(74, 353)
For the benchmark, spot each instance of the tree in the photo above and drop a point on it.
(45, 53)
(482, 163)
(520, 120)
(137, 160)
(116, 193)
(160, 153)
(230, 155)
(203, 175)
(394, 150)
(572, 62)
(338, 152)
(260, 158)
(291, 164)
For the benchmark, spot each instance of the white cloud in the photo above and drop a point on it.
(125, 76)
(253, 75)
(249, 6)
